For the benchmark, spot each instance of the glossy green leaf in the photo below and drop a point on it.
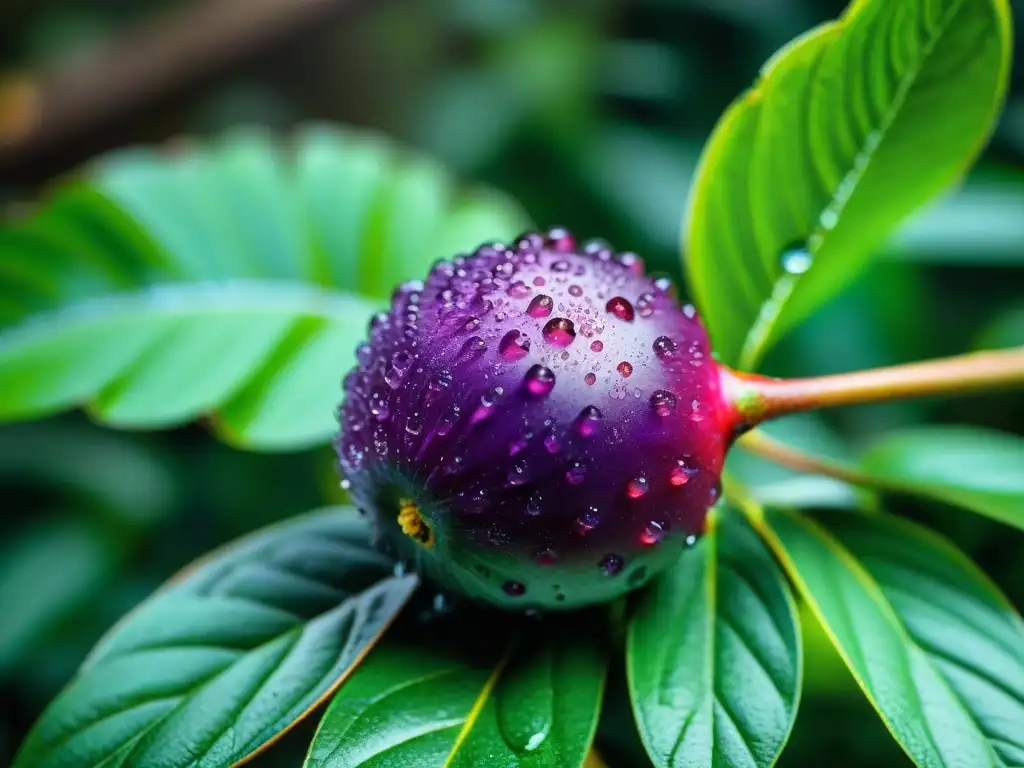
(850, 128)
(228, 655)
(979, 469)
(935, 647)
(529, 698)
(230, 281)
(714, 655)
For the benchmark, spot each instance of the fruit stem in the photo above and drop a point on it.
(755, 399)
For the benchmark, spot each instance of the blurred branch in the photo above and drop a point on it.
(143, 67)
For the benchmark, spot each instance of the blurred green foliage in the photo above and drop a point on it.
(590, 112)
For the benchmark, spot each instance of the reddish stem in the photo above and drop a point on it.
(755, 399)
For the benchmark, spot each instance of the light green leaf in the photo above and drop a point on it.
(979, 469)
(850, 128)
(231, 281)
(530, 699)
(933, 645)
(229, 655)
(713, 655)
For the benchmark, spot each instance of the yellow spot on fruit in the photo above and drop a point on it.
(412, 523)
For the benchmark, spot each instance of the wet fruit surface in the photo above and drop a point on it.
(543, 418)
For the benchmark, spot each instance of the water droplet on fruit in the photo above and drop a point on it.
(414, 424)
(474, 347)
(472, 324)
(379, 403)
(545, 556)
(690, 311)
(576, 472)
(551, 442)
(590, 379)
(540, 306)
(587, 521)
(645, 305)
(560, 239)
(589, 420)
(691, 540)
(560, 266)
(449, 420)
(652, 533)
(539, 380)
(796, 261)
(560, 331)
(596, 346)
(519, 290)
(533, 506)
(517, 474)
(663, 403)
(637, 487)
(514, 588)
(625, 369)
(514, 346)
(680, 474)
(539, 281)
(611, 564)
(664, 348)
(621, 308)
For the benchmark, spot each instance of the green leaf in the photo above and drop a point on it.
(36, 596)
(230, 281)
(936, 648)
(713, 655)
(229, 655)
(850, 128)
(1005, 331)
(979, 469)
(529, 698)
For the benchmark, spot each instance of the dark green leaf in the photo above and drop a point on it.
(935, 647)
(36, 596)
(1005, 331)
(232, 280)
(890, 103)
(229, 655)
(714, 657)
(528, 700)
(978, 469)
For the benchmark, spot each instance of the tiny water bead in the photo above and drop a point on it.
(637, 487)
(621, 308)
(796, 260)
(514, 345)
(560, 331)
(540, 380)
(514, 588)
(589, 420)
(540, 306)
(611, 564)
(663, 403)
(534, 457)
(664, 347)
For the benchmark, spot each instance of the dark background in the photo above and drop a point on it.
(592, 113)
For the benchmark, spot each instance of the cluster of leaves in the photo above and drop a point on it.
(229, 281)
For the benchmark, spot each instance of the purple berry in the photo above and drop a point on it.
(536, 426)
